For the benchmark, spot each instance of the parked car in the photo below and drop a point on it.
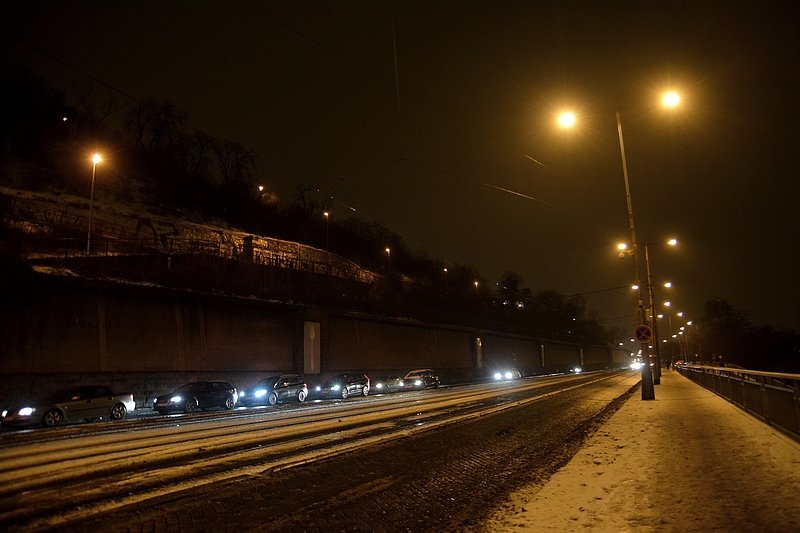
(86, 402)
(275, 389)
(423, 378)
(387, 384)
(197, 395)
(343, 386)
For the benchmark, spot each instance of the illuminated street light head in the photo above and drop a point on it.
(672, 242)
(567, 119)
(667, 304)
(668, 284)
(671, 99)
(97, 158)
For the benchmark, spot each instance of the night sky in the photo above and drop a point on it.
(424, 115)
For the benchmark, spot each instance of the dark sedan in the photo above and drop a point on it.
(275, 389)
(387, 384)
(197, 395)
(423, 378)
(343, 386)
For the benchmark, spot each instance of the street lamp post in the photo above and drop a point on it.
(388, 259)
(568, 120)
(96, 158)
(648, 391)
(327, 231)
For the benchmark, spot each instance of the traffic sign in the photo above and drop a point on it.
(643, 333)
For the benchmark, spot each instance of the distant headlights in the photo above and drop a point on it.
(336, 387)
(636, 365)
(175, 399)
(260, 393)
(577, 370)
(25, 411)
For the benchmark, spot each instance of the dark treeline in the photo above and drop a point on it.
(725, 335)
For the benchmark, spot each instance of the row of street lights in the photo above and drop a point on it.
(568, 119)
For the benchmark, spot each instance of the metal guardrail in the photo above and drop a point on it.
(773, 397)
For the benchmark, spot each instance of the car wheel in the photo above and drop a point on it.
(272, 399)
(191, 406)
(345, 394)
(53, 417)
(118, 412)
(230, 403)
(365, 391)
(301, 396)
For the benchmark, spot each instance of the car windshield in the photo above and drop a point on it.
(63, 395)
(189, 387)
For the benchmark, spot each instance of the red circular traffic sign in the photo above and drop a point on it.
(643, 333)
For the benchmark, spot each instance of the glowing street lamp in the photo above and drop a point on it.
(327, 231)
(388, 259)
(670, 99)
(568, 120)
(96, 158)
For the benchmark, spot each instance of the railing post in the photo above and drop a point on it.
(765, 399)
(796, 398)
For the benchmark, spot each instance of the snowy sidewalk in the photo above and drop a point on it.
(686, 461)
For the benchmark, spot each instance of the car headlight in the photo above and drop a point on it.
(577, 370)
(379, 385)
(498, 376)
(260, 393)
(336, 387)
(26, 411)
(418, 382)
(175, 399)
(509, 375)
(242, 394)
(317, 388)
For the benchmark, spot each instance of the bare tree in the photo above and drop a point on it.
(235, 162)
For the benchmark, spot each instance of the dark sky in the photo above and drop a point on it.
(312, 88)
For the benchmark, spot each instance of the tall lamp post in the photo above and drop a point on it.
(648, 391)
(652, 310)
(568, 120)
(96, 158)
(388, 259)
(327, 231)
